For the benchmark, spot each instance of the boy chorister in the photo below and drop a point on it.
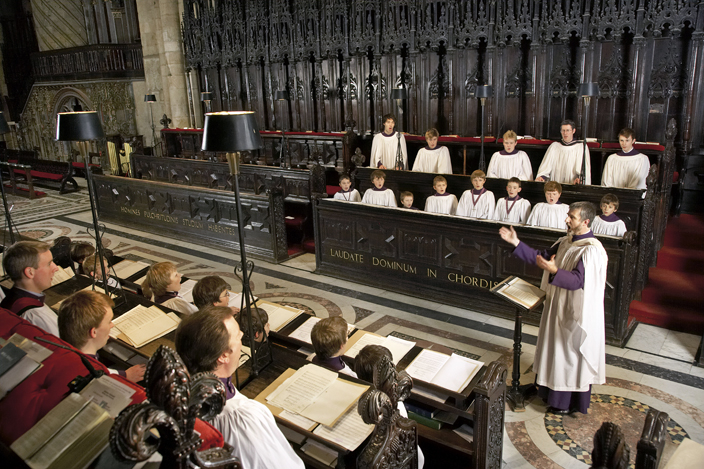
(329, 337)
(627, 168)
(510, 162)
(346, 192)
(379, 195)
(608, 223)
(478, 202)
(442, 201)
(432, 158)
(407, 200)
(552, 213)
(512, 208)
(385, 147)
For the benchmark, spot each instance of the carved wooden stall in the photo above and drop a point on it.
(453, 260)
(185, 212)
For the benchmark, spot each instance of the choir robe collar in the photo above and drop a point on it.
(165, 297)
(230, 390)
(388, 135)
(427, 148)
(346, 192)
(633, 152)
(511, 199)
(559, 202)
(383, 188)
(18, 292)
(586, 235)
(479, 192)
(441, 195)
(334, 363)
(569, 144)
(514, 152)
(611, 218)
(410, 208)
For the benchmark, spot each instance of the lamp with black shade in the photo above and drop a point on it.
(231, 132)
(82, 127)
(150, 99)
(586, 91)
(284, 155)
(4, 129)
(483, 92)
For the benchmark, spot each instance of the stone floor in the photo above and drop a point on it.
(655, 369)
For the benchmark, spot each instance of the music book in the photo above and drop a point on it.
(360, 339)
(62, 275)
(519, 292)
(110, 394)
(17, 373)
(452, 372)
(320, 452)
(302, 333)
(291, 417)
(34, 350)
(186, 290)
(57, 306)
(142, 325)
(71, 435)
(279, 316)
(349, 431)
(10, 355)
(236, 300)
(127, 268)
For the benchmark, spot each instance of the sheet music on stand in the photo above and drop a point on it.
(520, 293)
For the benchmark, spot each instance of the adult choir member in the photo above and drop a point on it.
(627, 168)
(563, 161)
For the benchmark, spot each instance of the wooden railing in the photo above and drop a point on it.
(94, 61)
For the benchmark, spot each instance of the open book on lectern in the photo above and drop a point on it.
(517, 291)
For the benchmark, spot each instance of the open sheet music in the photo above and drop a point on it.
(141, 325)
(398, 347)
(519, 292)
(279, 316)
(303, 331)
(62, 275)
(186, 291)
(349, 431)
(452, 372)
(127, 268)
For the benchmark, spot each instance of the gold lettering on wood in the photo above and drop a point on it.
(131, 211)
(394, 265)
(432, 273)
(348, 256)
(161, 217)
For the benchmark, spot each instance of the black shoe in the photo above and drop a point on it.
(555, 411)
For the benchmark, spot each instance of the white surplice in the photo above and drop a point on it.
(351, 196)
(483, 208)
(549, 216)
(436, 161)
(384, 149)
(626, 171)
(613, 228)
(384, 197)
(446, 203)
(180, 305)
(563, 163)
(520, 210)
(570, 352)
(43, 317)
(507, 166)
(250, 428)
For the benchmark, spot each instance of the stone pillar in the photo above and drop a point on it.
(164, 68)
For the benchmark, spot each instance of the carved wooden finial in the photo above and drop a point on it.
(610, 448)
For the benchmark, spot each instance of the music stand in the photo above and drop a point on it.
(151, 99)
(4, 128)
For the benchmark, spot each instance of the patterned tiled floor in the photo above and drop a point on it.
(653, 371)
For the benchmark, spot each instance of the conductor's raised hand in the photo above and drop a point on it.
(509, 235)
(545, 264)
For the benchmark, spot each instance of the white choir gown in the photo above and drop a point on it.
(512, 211)
(508, 165)
(384, 149)
(445, 203)
(563, 162)
(384, 197)
(43, 317)
(436, 160)
(549, 216)
(477, 205)
(250, 428)
(351, 195)
(611, 225)
(629, 170)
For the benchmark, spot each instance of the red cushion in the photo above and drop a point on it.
(42, 391)
(43, 175)
(332, 190)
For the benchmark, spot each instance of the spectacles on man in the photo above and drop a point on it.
(225, 295)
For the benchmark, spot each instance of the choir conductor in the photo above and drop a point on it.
(570, 352)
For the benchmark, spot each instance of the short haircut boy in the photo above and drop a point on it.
(81, 312)
(328, 336)
(377, 174)
(81, 250)
(569, 122)
(343, 177)
(21, 255)
(628, 133)
(405, 194)
(610, 199)
(510, 135)
(551, 186)
(90, 264)
(437, 179)
(260, 318)
(432, 133)
(157, 279)
(202, 337)
(366, 360)
(478, 174)
(387, 117)
(208, 290)
(515, 180)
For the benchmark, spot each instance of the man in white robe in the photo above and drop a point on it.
(552, 212)
(563, 161)
(512, 208)
(478, 202)
(627, 168)
(510, 162)
(211, 341)
(442, 201)
(385, 147)
(432, 158)
(570, 351)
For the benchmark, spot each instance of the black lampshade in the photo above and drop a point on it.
(206, 96)
(282, 95)
(4, 128)
(399, 93)
(484, 91)
(588, 89)
(149, 98)
(78, 126)
(231, 131)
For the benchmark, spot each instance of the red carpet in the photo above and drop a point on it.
(674, 295)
